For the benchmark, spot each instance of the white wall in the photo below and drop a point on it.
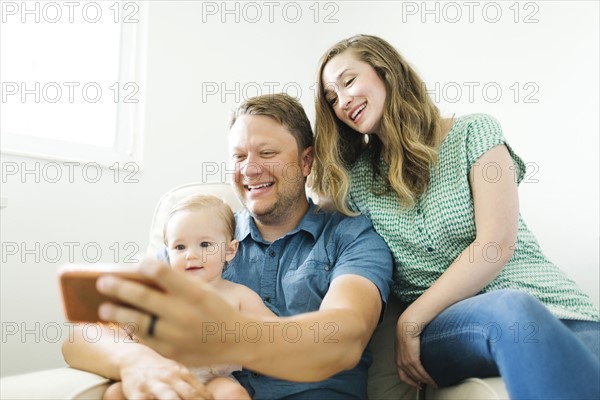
(186, 128)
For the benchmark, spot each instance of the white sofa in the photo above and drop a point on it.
(68, 383)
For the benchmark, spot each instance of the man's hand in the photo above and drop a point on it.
(186, 311)
(161, 379)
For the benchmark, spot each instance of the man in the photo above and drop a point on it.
(326, 276)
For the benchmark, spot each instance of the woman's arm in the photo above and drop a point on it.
(496, 207)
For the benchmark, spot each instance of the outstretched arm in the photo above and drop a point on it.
(197, 327)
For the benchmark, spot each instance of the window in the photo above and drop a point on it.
(72, 79)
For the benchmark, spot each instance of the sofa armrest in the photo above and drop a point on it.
(472, 388)
(59, 383)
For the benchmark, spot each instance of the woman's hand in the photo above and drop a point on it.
(161, 378)
(408, 354)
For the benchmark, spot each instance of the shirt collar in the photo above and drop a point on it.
(312, 223)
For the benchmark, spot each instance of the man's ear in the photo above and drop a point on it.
(231, 250)
(307, 160)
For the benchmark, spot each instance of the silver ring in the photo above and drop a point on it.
(150, 331)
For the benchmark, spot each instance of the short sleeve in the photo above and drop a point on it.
(361, 251)
(485, 132)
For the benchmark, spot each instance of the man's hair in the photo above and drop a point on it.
(284, 109)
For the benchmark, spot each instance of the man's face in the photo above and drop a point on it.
(269, 168)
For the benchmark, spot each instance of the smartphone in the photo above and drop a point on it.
(80, 297)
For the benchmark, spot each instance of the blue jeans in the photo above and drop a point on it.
(511, 334)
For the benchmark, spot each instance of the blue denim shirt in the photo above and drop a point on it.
(293, 274)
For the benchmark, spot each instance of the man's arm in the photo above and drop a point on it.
(144, 372)
(317, 345)
(197, 327)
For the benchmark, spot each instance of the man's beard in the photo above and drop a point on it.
(279, 211)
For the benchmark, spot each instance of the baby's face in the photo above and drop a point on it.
(197, 243)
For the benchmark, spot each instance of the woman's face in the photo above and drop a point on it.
(355, 92)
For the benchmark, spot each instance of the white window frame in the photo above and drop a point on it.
(127, 146)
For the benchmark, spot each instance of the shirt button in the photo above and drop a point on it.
(268, 299)
(255, 375)
(430, 249)
(271, 253)
(327, 268)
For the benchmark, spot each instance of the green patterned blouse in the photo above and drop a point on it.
(427, 238)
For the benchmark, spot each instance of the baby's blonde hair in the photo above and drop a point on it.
(203, 202)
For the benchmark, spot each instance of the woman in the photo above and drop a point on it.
(483, 298)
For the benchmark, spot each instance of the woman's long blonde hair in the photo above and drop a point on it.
(410, 123)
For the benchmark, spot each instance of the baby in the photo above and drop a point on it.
(200, 237)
